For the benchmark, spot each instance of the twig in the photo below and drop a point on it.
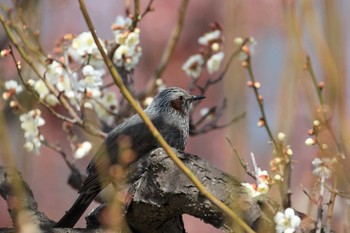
(243, 163)
(320, 203)
(148, 8)
(154, 130)
(331, 205)
(260, 103)
(310, 69)
(174, 38)
(59, 150)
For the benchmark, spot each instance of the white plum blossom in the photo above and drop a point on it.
(256, 190)
(44, 93)
(82, 150)
(41, 88)
(287, 222)
(128, 53)
(250, 43)
(214, 62)
(65, 85)
(11, 88)
(55, 72)
(261, 187)
(122, 23)
(323, 167)
(209, 37)
(12, 85)
(133, 38)
(83, 49)
(127, 57)
(64, 81)
(30, 123)
(193, 66)
(105, 106)
(92, 81)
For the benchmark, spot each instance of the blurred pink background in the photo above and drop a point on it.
(263, 19)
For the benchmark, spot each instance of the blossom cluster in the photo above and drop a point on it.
(77, 73)
(211, 56)
(127, 38)
(30, 123)
(261, 187)
(247, 47)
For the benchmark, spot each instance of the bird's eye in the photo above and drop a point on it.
(181, 98)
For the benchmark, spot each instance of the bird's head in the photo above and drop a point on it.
(174, 99)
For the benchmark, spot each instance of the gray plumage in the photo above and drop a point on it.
(169, 112)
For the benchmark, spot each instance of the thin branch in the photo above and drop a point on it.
(136, 16)
(174, 38)
(148, 9)
(311, 71)
(241, 160)
(260, 103)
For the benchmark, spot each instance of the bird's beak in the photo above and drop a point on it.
(196, 97)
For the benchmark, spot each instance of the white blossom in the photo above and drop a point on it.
(128, 53)
(133, 38)
(82, 150)
(64, 81)
(105, 106)
(83, 48)
(122, 23)
(11, 88)
(12, 85)
(41, 88)
(286, 222)
(323, 167)
(263, 188)
(251, 44)
(214, 62)
(256, 191)
(193, 66)
(65, 85)
(55, 72)
(30, 123)
(44, 93)
(209, 37)
(92, 81)
(127, 57)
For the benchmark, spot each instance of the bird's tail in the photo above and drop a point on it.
(76, 211)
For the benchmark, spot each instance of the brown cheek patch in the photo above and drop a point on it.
(177, 105)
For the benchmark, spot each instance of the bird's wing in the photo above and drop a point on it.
(140, 141)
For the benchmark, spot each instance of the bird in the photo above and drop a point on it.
(169, 112)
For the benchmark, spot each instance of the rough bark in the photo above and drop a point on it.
(160, 193)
